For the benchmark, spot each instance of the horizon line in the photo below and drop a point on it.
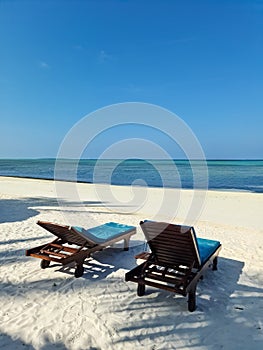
(126, 159)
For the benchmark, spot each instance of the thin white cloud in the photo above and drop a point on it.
(104, 56)
(131, 88)
(78, 47)
(44, 65)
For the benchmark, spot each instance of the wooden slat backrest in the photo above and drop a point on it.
(172, 245)
(63, 232)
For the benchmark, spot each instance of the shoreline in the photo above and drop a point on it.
(233, 208)
(232, 190)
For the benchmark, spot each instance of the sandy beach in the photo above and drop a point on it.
(51, 309)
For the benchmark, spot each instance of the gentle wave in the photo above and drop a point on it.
(236, 175)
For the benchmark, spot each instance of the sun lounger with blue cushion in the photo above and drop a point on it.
(75, 244)
(176, 262)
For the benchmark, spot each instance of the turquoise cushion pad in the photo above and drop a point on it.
(105, 232)
(206, 248)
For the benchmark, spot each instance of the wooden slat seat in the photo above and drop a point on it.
(178, 259)
(82, 243)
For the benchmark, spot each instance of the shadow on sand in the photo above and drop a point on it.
(223, 305)
(13, 210)
(8, 343)
(160, 320)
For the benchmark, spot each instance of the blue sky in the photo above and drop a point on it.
(61, 60)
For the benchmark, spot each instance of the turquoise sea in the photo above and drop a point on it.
(234, 175)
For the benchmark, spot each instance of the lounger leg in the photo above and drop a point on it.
(192, 300)
(79, 270)
(44, 264)
(214, 264)
(140, 289)
(126, 243)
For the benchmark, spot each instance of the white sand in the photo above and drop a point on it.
(51, 309)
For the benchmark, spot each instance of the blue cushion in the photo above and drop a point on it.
(206, 248)
(105, 232)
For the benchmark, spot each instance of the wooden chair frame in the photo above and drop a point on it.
(70, 246)
(174, 263)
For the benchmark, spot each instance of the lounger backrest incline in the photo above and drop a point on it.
(172, 245)
(66, 233)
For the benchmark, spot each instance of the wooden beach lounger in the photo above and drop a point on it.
(75, 244)
(176, 262)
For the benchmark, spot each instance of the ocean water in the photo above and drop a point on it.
(234, 175)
